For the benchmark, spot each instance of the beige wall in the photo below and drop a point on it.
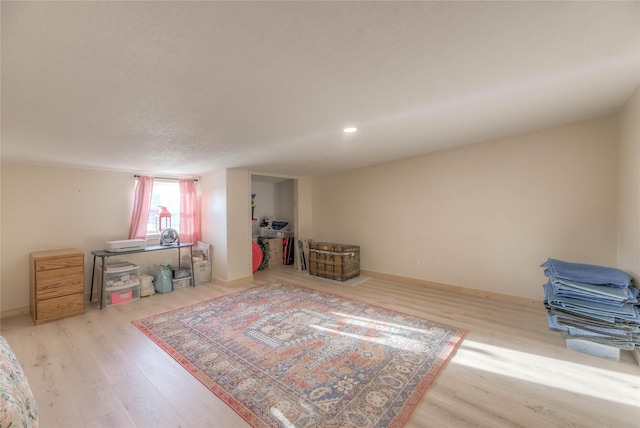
(239, 224)
(629, 188)
(482, 216)
(273, 199)
(52, 208)
(46, 208)
(213, 209)
(226, 213)
(266, 199)
(303, 208)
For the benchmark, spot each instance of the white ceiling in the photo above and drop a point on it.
(191, 87)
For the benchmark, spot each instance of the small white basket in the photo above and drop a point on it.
(180, 283)
(202, 272)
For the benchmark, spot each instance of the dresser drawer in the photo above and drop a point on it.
(60, 307)
(59, 263)
(59, 282)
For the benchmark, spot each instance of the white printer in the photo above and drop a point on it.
(125, 245)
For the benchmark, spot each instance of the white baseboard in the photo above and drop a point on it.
(15, 312)
(456, 288)
(233, 282)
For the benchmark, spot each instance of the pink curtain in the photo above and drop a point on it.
(189, 214)
(141, 203)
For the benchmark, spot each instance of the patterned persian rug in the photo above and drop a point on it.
(288, 356)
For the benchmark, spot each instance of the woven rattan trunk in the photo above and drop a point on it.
(340, 262)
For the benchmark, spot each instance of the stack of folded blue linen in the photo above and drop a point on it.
(593, 303)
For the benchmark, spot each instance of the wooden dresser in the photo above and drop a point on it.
(57, 284)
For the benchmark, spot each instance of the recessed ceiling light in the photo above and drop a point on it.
(350, 129)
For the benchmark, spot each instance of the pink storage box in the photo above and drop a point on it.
(122, 297)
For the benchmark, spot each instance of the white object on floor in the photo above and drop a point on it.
(593, 348)
(146, 285)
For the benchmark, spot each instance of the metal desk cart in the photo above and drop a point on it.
(104, 255)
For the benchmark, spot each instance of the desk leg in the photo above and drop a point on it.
(93, 274)
(193, 276)
(102, 281)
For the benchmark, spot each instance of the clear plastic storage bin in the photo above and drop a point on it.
(119, 275)
(121, 282)
(117, 295)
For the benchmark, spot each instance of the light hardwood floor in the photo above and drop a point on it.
(98, 370)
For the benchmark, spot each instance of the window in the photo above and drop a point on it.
(153, 197)
(164, 194)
